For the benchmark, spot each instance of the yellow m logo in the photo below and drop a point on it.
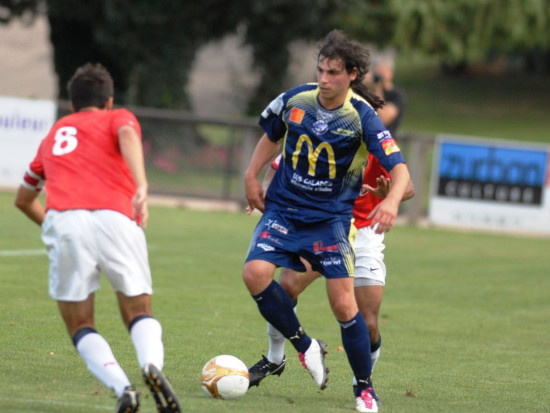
(313, 155)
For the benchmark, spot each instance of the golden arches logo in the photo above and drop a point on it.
(313, 155)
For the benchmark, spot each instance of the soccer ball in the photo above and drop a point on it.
(225, 377)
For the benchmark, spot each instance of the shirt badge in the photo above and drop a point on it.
(320, 126)
(296, 115)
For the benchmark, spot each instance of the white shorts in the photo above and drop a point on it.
(82, 243)
(369, 258)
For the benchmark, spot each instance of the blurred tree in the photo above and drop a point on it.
(24, 9)
(148, 45)
(372, 21)
(271, 27)
(459, 32)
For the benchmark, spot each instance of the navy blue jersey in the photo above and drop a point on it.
(324, 151)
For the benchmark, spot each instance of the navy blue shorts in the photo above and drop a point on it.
(327, 245)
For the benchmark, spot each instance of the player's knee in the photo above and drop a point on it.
(289, 285)
(257, 277)
(343, 310)
(248, 276)
(371, 319)
(295, 283)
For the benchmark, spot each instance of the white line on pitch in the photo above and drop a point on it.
(17, 253)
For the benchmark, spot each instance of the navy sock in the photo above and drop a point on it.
(376, 346)
(356, 341)
(81, 333)
(277, 308)
(135, 320)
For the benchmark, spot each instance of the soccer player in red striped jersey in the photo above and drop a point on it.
(91, 165)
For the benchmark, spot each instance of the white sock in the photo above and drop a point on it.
(276, 351)
(146, 335)
(99, 358)
(374, 357)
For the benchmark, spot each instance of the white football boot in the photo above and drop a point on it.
(313, 361)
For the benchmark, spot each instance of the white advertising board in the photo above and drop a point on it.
(23, 124)
(491, 184)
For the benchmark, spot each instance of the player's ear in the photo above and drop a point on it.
(109, 104)
(353, 74)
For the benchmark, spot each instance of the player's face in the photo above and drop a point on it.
(334, 82)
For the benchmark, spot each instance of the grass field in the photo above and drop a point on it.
(465, 323)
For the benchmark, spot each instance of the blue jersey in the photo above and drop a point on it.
(324, 152)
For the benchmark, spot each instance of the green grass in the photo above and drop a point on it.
(464, 323)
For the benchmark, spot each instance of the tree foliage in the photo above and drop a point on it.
(25, 9)
(462, 31)
(150, 45)
(372, 21)
(271, 27)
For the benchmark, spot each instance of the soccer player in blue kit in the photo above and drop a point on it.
(327, 130)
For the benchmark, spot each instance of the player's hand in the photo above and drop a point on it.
(383, 215)
(382, 188)
(255, 195)
(140, 206)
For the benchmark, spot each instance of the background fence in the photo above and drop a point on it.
(204, 157)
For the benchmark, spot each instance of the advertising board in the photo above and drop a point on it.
(490, 184)
(23, 124)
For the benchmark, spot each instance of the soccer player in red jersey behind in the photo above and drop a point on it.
(91, 163)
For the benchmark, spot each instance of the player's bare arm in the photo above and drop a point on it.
(27, 201)
(132, 151)
(264, 152)
(268, 177)
(384, 214)
(388, 113)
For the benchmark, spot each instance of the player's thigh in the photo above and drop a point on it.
(124, 258)
(327, 246)
(276, 240)
(369, 299)
(370, 268)
(341, 298)
(295, 282)
(70, 240)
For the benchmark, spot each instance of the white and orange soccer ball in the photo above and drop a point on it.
(225, 377)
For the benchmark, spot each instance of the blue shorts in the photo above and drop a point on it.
(327, 244)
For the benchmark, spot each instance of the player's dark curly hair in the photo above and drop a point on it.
(336, 45)
(91, 85)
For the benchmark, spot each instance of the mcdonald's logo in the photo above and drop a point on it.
(313, 155)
